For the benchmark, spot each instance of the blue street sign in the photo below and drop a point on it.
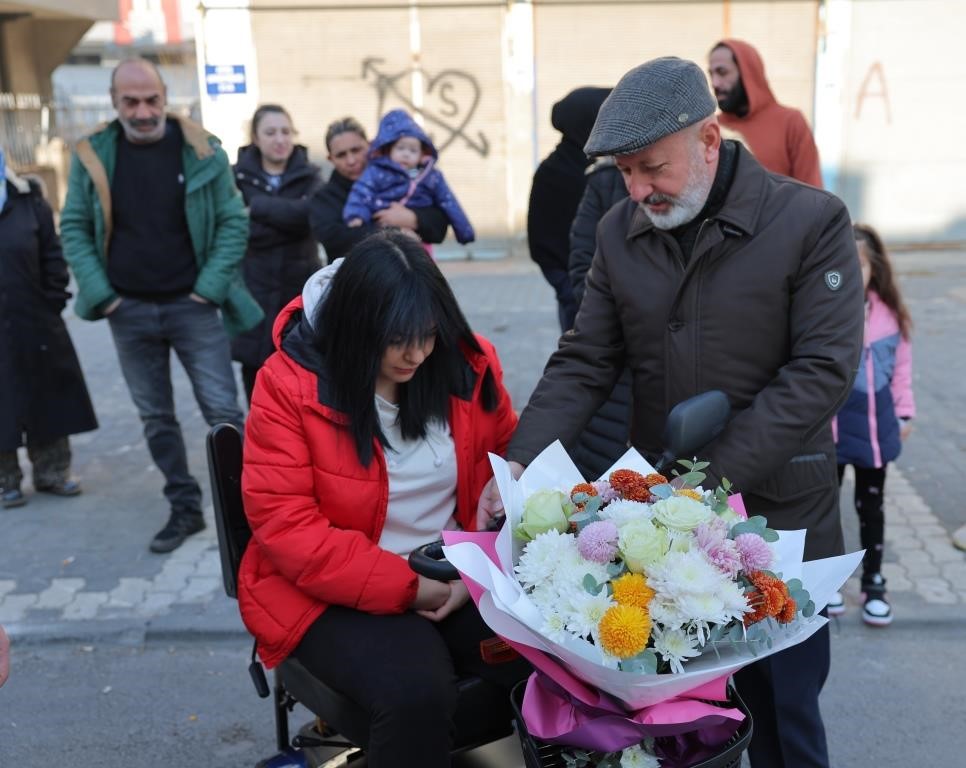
(221, 79)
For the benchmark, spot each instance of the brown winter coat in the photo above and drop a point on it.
(768, 309)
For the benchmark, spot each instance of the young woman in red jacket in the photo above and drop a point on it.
(368, 435)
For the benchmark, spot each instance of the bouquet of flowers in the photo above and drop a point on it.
(653, 572)
(636, 597)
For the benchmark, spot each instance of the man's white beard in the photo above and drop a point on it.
(688, 204)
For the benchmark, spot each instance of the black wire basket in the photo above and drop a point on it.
(540, 754)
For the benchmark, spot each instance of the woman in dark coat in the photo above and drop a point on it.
(348, 149)
(605, 438)
(277, 181)
(44, 395)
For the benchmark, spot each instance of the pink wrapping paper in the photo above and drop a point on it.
(559, 707)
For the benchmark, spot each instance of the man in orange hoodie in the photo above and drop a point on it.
(777, 136)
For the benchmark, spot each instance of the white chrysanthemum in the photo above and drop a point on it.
(554, 627)
(684, 573)
(636, 757)
(734, 599)
(665, 613)
(545, 597)
(704, 607)
(586, 611)
(675, 646)
(542, 557)
(623, 511)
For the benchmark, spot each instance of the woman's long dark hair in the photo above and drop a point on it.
(882, 279)
(389, 291)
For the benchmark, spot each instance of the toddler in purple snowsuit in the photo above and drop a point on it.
(401, 169)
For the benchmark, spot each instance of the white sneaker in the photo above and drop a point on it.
(836, 606)
(959, 538)
(877, 613)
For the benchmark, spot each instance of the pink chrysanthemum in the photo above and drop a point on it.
(604, 490)
(712, 539)
(754, 551)
(597, 542)
(712, 530)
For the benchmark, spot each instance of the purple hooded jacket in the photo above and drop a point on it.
(384, 182)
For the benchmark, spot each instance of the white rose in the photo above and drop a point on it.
(543, 511)
(681, 513)
(641, 543)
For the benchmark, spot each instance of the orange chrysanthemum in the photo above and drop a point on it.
(583, 488)
(625, 630)
(655, 478)
(690, 493)
(768, 598)
(630, 485)
(632, 589)
(788, 611)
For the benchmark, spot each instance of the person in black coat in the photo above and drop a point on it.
(605, 438)
(44, 396)
(558, 185)
(348, 149)
(277, 181)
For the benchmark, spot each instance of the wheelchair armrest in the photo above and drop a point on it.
(429, 561)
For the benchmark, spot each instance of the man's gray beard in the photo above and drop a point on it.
(141, 138)
(688, 204)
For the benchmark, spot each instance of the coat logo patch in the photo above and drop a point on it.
(833, 279)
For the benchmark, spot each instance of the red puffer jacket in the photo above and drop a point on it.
(316, 513)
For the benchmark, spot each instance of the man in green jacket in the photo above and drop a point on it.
(154, 231)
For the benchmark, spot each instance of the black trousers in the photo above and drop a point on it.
(403, 670)
(249, 372)
(869, 498)
(781, 692)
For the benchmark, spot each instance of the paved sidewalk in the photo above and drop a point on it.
(74, 568)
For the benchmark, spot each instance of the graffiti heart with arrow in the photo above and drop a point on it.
(450, 100)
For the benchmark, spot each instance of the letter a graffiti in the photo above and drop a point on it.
(881, 91)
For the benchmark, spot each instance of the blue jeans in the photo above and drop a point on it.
(144, 333)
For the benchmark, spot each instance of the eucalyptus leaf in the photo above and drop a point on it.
(809, 609)
(591, 585)
(745, 526)
(615, 569)
(692, 478)
(649, 660)
(663, 491)
(800, 596)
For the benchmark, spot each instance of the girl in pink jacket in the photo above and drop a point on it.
(876, 418)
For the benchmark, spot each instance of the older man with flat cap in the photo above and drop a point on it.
(717, 274)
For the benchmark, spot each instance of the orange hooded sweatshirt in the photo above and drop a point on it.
(778, 137)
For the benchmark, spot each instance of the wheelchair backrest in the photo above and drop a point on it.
(224, 445)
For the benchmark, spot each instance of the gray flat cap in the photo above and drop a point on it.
(654, 100)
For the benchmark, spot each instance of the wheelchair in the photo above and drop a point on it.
(341, 724)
